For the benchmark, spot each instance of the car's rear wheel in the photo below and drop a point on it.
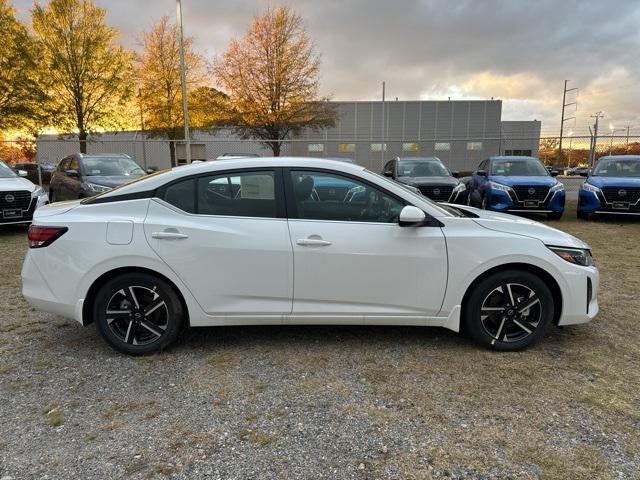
(509, 310)
(138, 313)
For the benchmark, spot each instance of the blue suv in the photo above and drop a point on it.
(516, 185)
(613, 187)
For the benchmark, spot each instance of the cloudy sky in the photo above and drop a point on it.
(515, 50)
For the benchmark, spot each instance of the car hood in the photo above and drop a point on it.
(55, 209)
(524, 180)
(419, 181)
(16, 183)
(502, 222)
(112, 181)
(624, 182)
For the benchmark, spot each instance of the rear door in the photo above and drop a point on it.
(226, 236)
(353, 261)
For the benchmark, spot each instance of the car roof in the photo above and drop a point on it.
(620, 157)
(102, 155)
(160, 178)
(422, 159)
(512, 157)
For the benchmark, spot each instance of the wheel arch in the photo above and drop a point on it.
(549, 280)
(105, 277)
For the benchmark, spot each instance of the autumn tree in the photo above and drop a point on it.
(20, 92)
(87, 73)
(159, 85)
(271, 77)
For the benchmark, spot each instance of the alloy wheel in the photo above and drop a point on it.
(137, 315)
(511, 312)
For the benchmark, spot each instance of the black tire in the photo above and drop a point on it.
(494, 322)
(555, 215)
(582, 215)
(120, 313)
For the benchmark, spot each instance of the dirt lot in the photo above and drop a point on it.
(326, 402)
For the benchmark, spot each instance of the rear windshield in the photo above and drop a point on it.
(618, 168)
(530, 167)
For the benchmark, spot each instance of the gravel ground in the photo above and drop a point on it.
(325, 402)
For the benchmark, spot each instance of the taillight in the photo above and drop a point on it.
(42, 236)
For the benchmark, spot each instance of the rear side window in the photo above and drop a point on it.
(244, 194)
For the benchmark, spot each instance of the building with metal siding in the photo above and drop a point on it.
(460, 132)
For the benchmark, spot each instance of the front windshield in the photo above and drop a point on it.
(417, 196)
(527, 167)
(5, 171)
(111, 167)
(421, 168)
(618, 167)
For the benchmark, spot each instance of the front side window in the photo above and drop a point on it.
(329, 196)
(73, 165)
(244, 194)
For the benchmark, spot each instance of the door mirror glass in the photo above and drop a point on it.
(481, 173)
(412, 216)
(555, 173)
(455, 174)
(22, 173)
(388, 173)
(72, 173)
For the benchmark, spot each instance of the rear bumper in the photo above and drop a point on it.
(38, 293)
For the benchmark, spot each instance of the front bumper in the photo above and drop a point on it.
(580, 298)
(594, 203)
(501, 201)
(25, 216)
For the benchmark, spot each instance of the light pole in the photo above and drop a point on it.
(611, 136)
(183, 81)
(570, 134)
(144, 146)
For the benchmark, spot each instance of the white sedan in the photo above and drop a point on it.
(19, 197)
(299, 241)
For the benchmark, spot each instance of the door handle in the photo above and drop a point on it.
(169, 235)
(313, 242)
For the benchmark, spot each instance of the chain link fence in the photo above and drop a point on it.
(462, 155)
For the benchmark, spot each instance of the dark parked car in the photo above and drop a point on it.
(81, 175)
(430, 176)
(46, 170)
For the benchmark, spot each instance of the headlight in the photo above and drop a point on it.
(557, 187)
(499, 186)
(590, 188)
(577, 256)
(461, 187)
(38, 192)
(92, 187)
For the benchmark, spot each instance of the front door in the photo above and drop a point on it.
(226, 237)
(352, 259)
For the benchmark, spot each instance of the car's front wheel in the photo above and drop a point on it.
(509, 310)
(554, 216)
(138, 313)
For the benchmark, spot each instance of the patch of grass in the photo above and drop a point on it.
(257, 437)
(90, 436)
(4, 444)
(118, 408)
(54, 415)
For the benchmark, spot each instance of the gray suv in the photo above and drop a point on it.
(82, 175)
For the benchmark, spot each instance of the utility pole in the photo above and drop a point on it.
(592, 157)
(383, 125)
(144, 146)
(183, 81)
(562, 117)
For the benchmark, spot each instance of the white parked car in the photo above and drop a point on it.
(253, 241)
(19, 197)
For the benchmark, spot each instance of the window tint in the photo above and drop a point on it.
(182, 195)
(327, 196)
(250, 194)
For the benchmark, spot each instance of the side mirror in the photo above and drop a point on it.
(554, 173)
(411, 216)
(72, 173)
(22, 173)
(481, 173)
(388, 173)
(455, 174)
(152, 169)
